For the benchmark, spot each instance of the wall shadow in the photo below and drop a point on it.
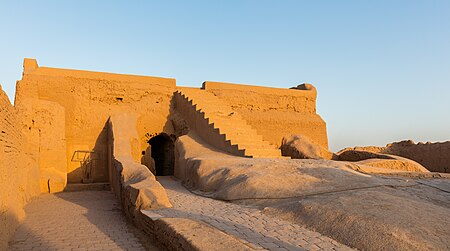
(162, 151)
(105, 213)
(95, 160)
(22, 238)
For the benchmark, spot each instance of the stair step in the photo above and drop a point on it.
(254, 145)
(262, 152)
(243, 136)
(229, 123)
(256, 139)
(237, 130)
(246, 139)
(232, 127)
(251, 143)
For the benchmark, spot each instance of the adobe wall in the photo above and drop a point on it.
(274, 112)
(87, 99)
(43, 125)
(433, 156)
(18, 170)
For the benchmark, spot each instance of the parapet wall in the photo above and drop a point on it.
(274, 112)
(87, 99)
(18, 171)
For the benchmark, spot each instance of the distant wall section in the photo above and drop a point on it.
(275, 112)
(433, 156)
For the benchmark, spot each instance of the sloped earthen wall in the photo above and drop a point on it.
(18, 171)
(274, 112)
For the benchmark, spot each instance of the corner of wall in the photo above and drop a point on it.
(29, 65)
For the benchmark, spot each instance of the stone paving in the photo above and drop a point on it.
(88, 220)
(256, 229)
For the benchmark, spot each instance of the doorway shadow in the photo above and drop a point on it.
(162, 147)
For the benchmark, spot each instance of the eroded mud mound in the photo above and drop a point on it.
(368, 212)
(228, 177)
(408, 218)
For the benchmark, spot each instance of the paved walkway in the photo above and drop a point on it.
(88, 220)
(256, 229)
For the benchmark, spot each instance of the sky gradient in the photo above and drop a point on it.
(381, 68)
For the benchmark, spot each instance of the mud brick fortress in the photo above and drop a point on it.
(58, 126)
(63, 114)
(72, 127)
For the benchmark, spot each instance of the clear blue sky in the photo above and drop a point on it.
(382, 68)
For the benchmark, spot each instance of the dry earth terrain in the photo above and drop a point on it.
(400, 211)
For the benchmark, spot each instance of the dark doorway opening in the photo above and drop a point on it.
(163, 154)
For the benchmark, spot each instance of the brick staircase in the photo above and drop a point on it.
(220, 126)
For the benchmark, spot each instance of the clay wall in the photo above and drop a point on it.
(88, 99)
(43, 125)
(433, 156)
(274, 112)
(18, 171)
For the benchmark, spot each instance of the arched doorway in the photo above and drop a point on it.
(163, 154)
